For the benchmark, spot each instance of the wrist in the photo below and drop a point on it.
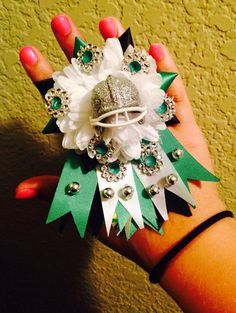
(150, 247)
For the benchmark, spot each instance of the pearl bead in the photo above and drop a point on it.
(153, 190)
(108, 193)
(72, 188)
(177, 154)
(171, 179)
(127, 192)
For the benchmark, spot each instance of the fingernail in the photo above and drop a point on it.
(156, 51)
(108, 28)
(28, 56)
(26, 193)
(61, 25)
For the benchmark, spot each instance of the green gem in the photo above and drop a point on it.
(114, 168)
(162, 109)
(134, 66)
(55, 103)
(87, 56)
(150, 160)
(101, 148)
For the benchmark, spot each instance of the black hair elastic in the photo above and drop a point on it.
(158, 270)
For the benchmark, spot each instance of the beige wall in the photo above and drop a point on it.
(43, 272)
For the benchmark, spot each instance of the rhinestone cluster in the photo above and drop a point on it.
(88, 57)
(151, 159)
(99, 149)
(113, 171)
(57, 102)
(135, 62)
(167, 110)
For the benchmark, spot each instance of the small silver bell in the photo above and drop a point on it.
(171, 179)
(108, 193)
(127, 192)
(177, 154)
(72, 188)
(153, 190)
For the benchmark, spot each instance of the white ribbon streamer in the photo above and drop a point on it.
(109, 205)
(178, 188)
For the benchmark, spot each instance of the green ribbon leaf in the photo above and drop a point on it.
(79, 204)
(79, 43)
(187, 166)
(167, 79)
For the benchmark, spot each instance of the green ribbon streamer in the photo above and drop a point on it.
(187, 166)
(79, 204)
(79, 43)
(167, 79)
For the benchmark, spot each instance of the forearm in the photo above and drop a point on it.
(202, 278)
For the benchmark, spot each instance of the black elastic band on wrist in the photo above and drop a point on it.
(158, 270)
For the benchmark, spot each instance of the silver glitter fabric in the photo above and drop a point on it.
(112, 94)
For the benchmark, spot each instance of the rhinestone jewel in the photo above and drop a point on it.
(151, 159)
(135, 62)
(57, 102)
(167, 110)
(99, 149)
(113, 171)
(88, 57)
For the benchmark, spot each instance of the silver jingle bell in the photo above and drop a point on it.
(127, 192)
(171, 179)
(177, 154)
(108, 193)
(153, 190)
(72, 188)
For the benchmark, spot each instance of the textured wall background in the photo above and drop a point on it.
(42, 272)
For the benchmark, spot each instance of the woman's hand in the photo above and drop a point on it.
(145, 247)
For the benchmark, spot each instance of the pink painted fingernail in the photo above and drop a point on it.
(108, 28)
(28, 56)
(156, 51)
(26, 193)
(61, 25)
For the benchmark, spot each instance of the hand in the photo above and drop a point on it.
(146, 246)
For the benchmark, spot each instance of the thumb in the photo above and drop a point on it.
(42, 187)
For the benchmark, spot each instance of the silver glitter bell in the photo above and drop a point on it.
(108, 193)
(171, 179)
(153, 190)
(115, 102)
(127, 192)
(72, 188)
